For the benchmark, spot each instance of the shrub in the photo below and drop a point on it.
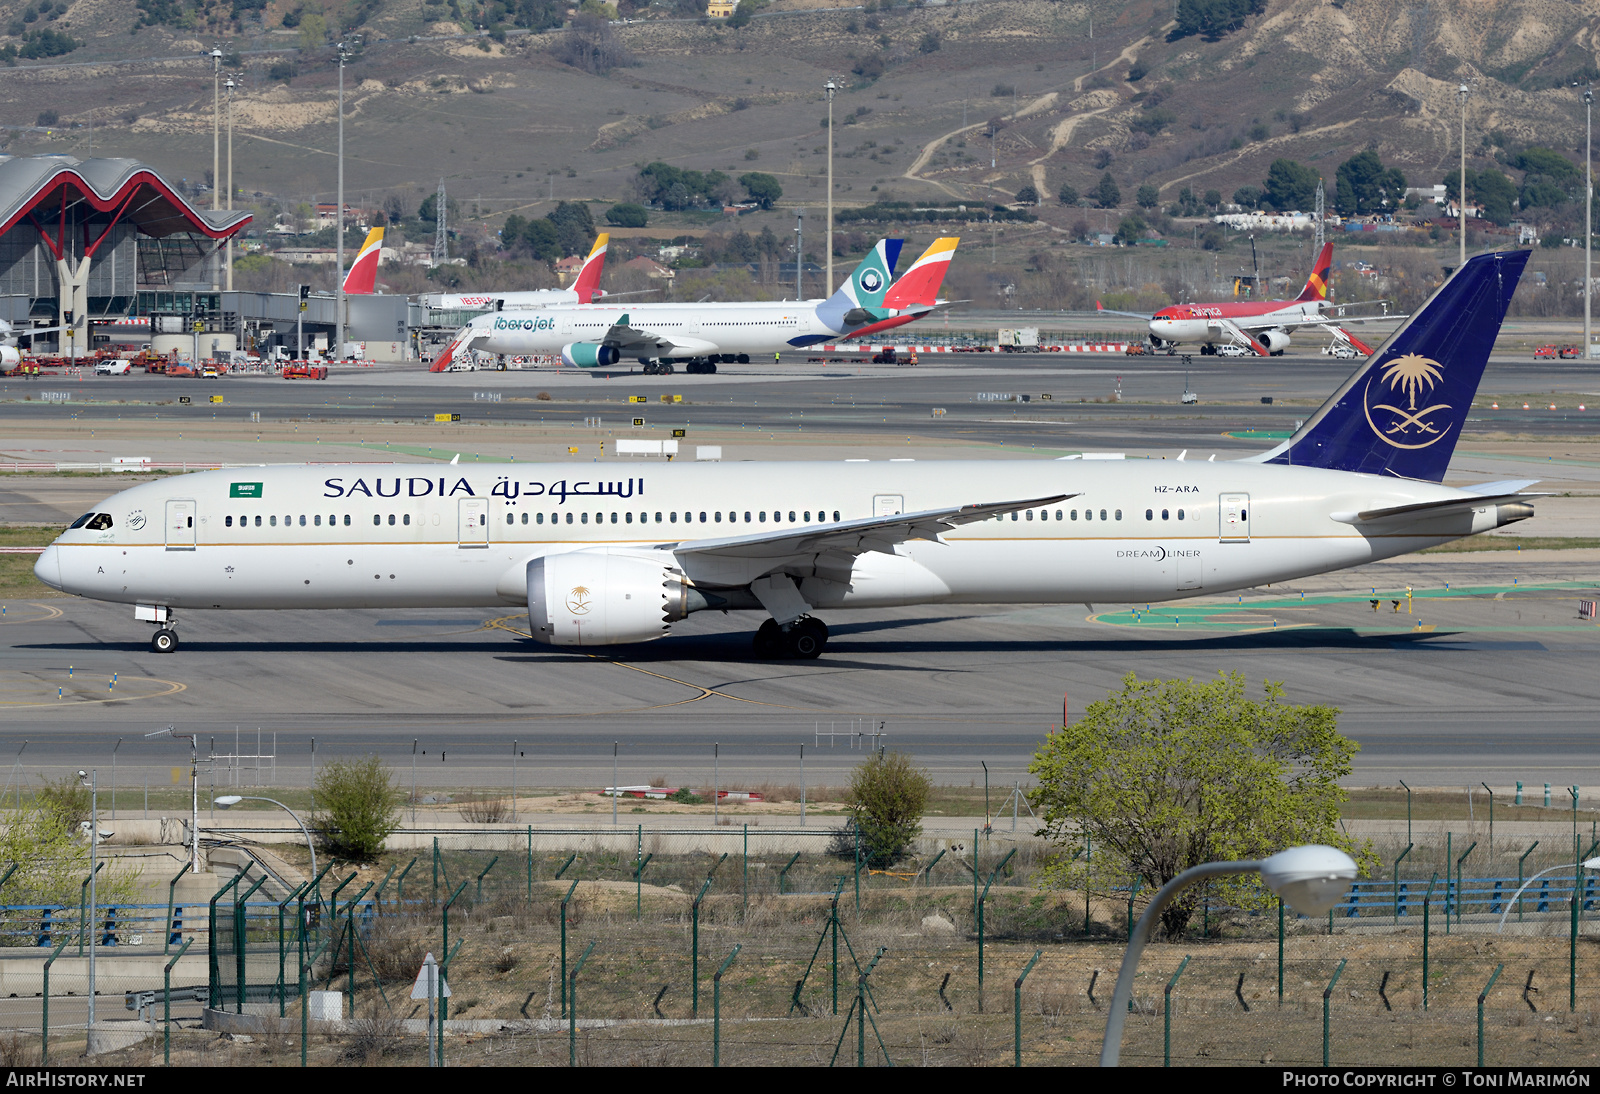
(46, 119)
(886, 799)
(357, 806)
(65, 802)
(626, 215)
(482, 809)
(1028, 195)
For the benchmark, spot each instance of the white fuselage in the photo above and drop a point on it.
(1196, 323)
(529, 298)
(757, 327)
(414, 535)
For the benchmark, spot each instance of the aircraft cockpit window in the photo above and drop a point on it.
(99, 522)
(80, 522)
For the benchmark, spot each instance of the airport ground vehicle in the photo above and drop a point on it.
(113, 368)
(302, 370)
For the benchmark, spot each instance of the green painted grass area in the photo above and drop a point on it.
(1282, 612)
(16, 571)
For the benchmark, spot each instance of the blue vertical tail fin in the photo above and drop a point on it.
(1401, 412)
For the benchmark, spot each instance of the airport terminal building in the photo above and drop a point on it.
(114, 253)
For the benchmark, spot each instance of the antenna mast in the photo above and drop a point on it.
(441, 238)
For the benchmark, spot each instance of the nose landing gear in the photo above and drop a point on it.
(802, 640)
(164, 640)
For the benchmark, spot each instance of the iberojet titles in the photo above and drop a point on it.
(524, 324)
(418, 486)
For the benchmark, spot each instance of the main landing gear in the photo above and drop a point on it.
(801, 640)
(656, 368)
(164, 641)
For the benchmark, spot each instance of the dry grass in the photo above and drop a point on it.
(484, 809)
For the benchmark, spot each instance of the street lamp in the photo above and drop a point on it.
(1309, 879)
(89, 779)
(1462, 92)
(228, 801)
(1587, 864)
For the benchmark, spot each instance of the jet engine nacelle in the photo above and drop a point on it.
(602, 597)
(588, 355)
(10, 358)
(1276, 341)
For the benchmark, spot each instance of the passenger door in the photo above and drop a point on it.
(473, 517)
(180, 524)
(1235, 518)
(888, 505)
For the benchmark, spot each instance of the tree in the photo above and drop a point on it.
(574, 227)
(762, 188)
(930, 42)
(1068, 194)
(1130, 230)
(357, 806)
(1106, 195)
(313, 31)
(1491, 189)
(627, 215)
(1212, 18)
(886, 799)
(1247, 197)
(394, 208)
(1168, 774)
(1213, 198)
(592, 45)
(1147, 196)
(1028, 195)
(53, 860)
(1366, 187)
(1289, 185)
(742, 14)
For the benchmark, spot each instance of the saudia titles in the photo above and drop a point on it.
(418, 486)
(524, 324)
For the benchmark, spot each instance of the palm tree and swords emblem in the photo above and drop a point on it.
(1413, 377)
(578, 600)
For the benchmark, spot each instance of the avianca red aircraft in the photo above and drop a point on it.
(585, 290)
(1261, 325)
(363, 275)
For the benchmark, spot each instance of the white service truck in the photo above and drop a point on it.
(1019, 339)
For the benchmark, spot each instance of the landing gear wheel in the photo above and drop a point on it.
(769, 640)
(164, 641)
(806, 639)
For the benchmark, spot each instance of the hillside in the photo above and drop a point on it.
(509, 127)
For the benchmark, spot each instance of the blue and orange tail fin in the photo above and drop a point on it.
(1317, 284)
(1402, 411)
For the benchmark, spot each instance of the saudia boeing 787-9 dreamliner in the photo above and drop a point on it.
(610, 554)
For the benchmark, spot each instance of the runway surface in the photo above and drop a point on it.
(1498, 685)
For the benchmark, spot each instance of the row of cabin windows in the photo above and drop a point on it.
(1069, 514)
(314, 521)
(1149, 514)
(757, 517)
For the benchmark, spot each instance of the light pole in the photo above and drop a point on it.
(90, 777)
(1310, 879)
(229, 252)
(1463, 91)
(799, 252)
(338, 350)
(1588, 214)
(194, 794)
(216, 127)
(1587, 864)
(228, 801)
(827, 244)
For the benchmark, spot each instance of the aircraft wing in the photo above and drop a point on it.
(1103, 310)
(829, 551)
(630, 341)
(1322, 321)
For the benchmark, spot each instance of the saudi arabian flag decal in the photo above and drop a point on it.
(244, 490)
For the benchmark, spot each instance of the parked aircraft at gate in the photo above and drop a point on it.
(870, 301)
(616, 553)
(585, 288)
(1261, 325)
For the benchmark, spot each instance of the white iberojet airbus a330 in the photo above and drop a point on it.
(616, 554)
